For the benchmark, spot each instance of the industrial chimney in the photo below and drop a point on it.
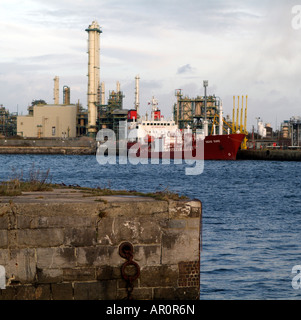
(66, 95)
(93, 75)
(56, 91)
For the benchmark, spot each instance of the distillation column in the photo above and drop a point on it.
(221, 115)
(102, 93)
(93, 75)
(56, 91)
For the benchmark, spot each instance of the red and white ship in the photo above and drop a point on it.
(160, 138)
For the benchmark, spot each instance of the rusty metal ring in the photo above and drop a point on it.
(125, 248)
(127, 277)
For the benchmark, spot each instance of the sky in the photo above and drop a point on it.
(246, 47)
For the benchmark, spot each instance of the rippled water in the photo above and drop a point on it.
(251, 215)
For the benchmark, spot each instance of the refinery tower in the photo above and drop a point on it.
(93, 75)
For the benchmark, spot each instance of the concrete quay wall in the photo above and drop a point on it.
(76, 146)
(271, 155)
(47, 150)
(65, 245)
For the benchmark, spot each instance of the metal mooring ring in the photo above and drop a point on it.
(125, 249)
(128, 277)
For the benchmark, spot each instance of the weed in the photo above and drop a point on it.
(37, 181)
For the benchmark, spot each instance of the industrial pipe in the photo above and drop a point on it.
(233, 116)
(237, 115)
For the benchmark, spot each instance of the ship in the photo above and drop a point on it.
(163, 139)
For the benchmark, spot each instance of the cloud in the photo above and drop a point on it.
(185, 69)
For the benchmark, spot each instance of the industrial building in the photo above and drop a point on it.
(49, 121)
(69, 120)
(204, 114)
(8, 123)
(291, 130)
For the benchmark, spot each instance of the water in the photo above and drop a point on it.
(251, 215)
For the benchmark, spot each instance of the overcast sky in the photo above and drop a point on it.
(240, 47)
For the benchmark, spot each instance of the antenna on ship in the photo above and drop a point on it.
(137, 103)
(156, 113)
(205, 84)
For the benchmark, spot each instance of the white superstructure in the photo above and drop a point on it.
(154, 129)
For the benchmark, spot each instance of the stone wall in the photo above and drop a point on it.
(65, 244)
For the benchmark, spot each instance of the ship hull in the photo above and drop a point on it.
(218, 147)
(222, 147)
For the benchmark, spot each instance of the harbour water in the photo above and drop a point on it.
(251, 215)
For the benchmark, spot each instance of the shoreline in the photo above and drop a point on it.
(88, 147)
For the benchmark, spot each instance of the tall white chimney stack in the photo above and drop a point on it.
(93, 75)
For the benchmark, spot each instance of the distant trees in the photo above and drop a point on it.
(36, 102)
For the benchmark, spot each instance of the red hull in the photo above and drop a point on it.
(222, 147)
(218, 147)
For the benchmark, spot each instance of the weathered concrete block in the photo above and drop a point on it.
(62, 291)
(98, 290)
(98, 256)
(176, 223)
(178, 246)
(137, 294)
(3, 239)
(3, 221)
(176, 294)
(5, 210)
(12, 238)
(55, 258)
(4, 257)
(40, 237)
(147, 255)
(9, 293)
(112, 231)
(80, 237)
(21, 265)
(58, 221)
(193, 223)
(183, 208)
(49, 275)
(159, 276)
(79, 274)
(30, 292)
(108, 273)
